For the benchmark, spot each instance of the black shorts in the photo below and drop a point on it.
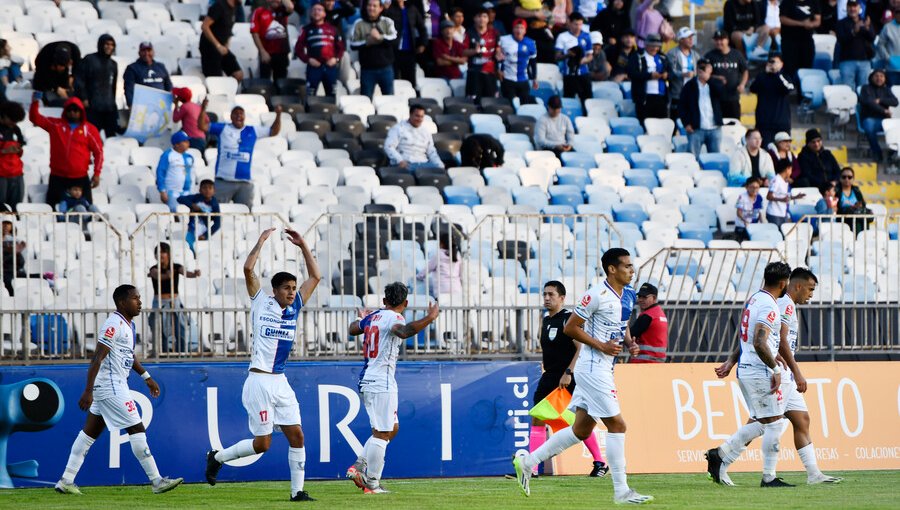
(216, 64)
(547, 384)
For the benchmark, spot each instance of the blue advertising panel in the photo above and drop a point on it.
(456, 419)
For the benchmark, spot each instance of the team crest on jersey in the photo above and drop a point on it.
(110, 331)
(789, 310)
(551, 334)
(586, 300)
(771, 317)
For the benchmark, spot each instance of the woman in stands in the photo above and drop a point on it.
(851, 200)
(175, 326)
(444, 267)
(781, 149)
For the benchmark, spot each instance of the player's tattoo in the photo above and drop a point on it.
(405, 330)
(759, 343)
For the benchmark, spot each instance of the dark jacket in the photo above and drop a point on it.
(96, 79)
(139, 73)
(867, 96)
(342, 10)
(45, 79)
(739, 16)
(854, 46)
(611, 23)
(689, 102)
(211, 207)
(639, 74)
(380, 54)
(817, 168)
(419, 35)
(773, 109)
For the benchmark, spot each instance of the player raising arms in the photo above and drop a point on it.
(107, 398)
(384, 330)
(267, 396)
(799, 291)
(600, 314)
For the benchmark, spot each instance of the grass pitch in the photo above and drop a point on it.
(860, 489)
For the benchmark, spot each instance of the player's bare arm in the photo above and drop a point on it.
(87, 398)
(759, 343)
(312, 267)
(724, 369)
(407, 330)
(249, 271)
(784, 350)
(151, 384)
(575, 330)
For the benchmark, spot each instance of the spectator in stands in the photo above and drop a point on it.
(74, 201)
(554, 131)
(145, 71)
(875, 102)
(73, 141)
(95, 84)
(188, 113)
(574, 52)
(817, 164)
(856, 44)
(851, 201)
(234, 180)
(13, 255)
(612, 22)
(516, 54)
(773, 90)
(458, 17)
(730, 68)
(771, 11)
(481, 47)
(648, 70)
(409, 144)
(54, 69)
(448, 53)
(373, 36)
(619, 55)
(740, 18)
(10, 68)
(538, 18)
(412, 38)
(889, 38)
(828, 204)
(599, 68)
(12, 181)
(829, 17)
(752, 161)
(799, 19)
(443, 270)
(434, 11)
(215, 33)
(493, 20)
(336, 12)
(174, 326)
(700, 109)
(779, 195)
(649, 21)
(682, 61)
(173, 172)
(651, 329)
(268, 28)
(749, 208)
(780, 148)
(204, 203)
(321, 47)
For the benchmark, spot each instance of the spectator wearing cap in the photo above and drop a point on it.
(817, 164)
(373, 36)
(215, 33)
(12, 181)
(875, 102)
(234, 160)
(780, 149)
(574, 53)
(651, 329)
(619, 55)
(856, 43)
(146, 71)
(173, 172)
(700, 109)
(751, 161)
(889, 38)
(412, 38)
(649, 73)
(649, 21)
(268, 28)
(599, 67)
(730, 68)
(612, 22)
(54, 69)
(188, 113)
(95, 84)
(554, 131)
(481, 48)
(799, 19)
(682, 61)
(448, 53)
(773, 90)
(321, 47)
(740, 18)
(409, 144)
(516, 54)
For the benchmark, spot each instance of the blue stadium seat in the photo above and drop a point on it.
(684, 266)
(566, 194)
(462, 195)
(598, 208)
(700, 214)
(630, 213)
(799, 210)
(571, 107)
(586, 143)
(699, 231)
(650, 160)
(555, 212)
(607, 90)
(715, 161)
(626, 126)
(487, 123)
(822, 61)
(622, 144)
(574, 176)
(578, 160)
(834, 76)
(764, 232)
(811, 88)
(532, 110)
(641, 177)
(532, 196)
(545, 91)
(626, 89)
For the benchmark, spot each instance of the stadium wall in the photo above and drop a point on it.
(457, 419)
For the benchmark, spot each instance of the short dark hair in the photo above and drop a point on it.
(480, 11)
(783, 164)
(282, 277)
(825, 186)
(576, 16)
(12, 111)
(163, 248)
(416, 106)
(236, 108)
(122, 292)
(801, 273)
(208, 182)
(703, 63)
(751, 131)
(612, 256)
(395, 293)
(76, 185)
(556, 284)
(455, 10)
(776, 272)
(751, 180)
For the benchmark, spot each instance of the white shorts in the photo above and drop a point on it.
(596, 394)
(760, 399)
(791, 399)
(382, 410)
(270, 401)
(118, 411)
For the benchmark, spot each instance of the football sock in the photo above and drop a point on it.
(537, 438)
(770, 449)
(732, 448)
(140, 450)
(615, 455)
(236, 451)
(297, 462)
(554, 446)
(594, 447)
(79, 451)
(808, 457)
(375, 450)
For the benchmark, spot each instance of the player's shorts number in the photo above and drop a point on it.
(129, 406)
(370, 342)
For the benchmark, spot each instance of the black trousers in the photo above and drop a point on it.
(276, 68)
(57, 186)
(511, 89)
(108, 122)
(654, 106)
(405, 66)
(731, 108)
(578, 86)
(480, 84)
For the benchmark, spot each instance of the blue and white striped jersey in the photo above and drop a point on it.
(516, 57)
(235, 149)
(274, 329)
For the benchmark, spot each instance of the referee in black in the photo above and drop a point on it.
(559, 355)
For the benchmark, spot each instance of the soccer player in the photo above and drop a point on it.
(384, 330)
(759, 375)
(267, 396)
(107, 398)
(595, 396)
(799, 291)
(559, 356)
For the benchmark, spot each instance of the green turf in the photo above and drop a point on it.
(861, 489)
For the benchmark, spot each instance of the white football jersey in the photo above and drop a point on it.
(112, 379)
(274, 329)
(601, 309)
(761, 308)
(788, 310)
(380, 350)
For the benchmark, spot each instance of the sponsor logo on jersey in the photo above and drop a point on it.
(551, 334)
(109, 333)
(789, 310)
(586, 300)
(283, 334)
(771, 317)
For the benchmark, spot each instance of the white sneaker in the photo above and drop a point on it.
(67, 488)
(632, 498)
(523, 476)
(823, 478)
(166, 484)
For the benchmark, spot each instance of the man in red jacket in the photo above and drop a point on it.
(651, 329)
(73, 140)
